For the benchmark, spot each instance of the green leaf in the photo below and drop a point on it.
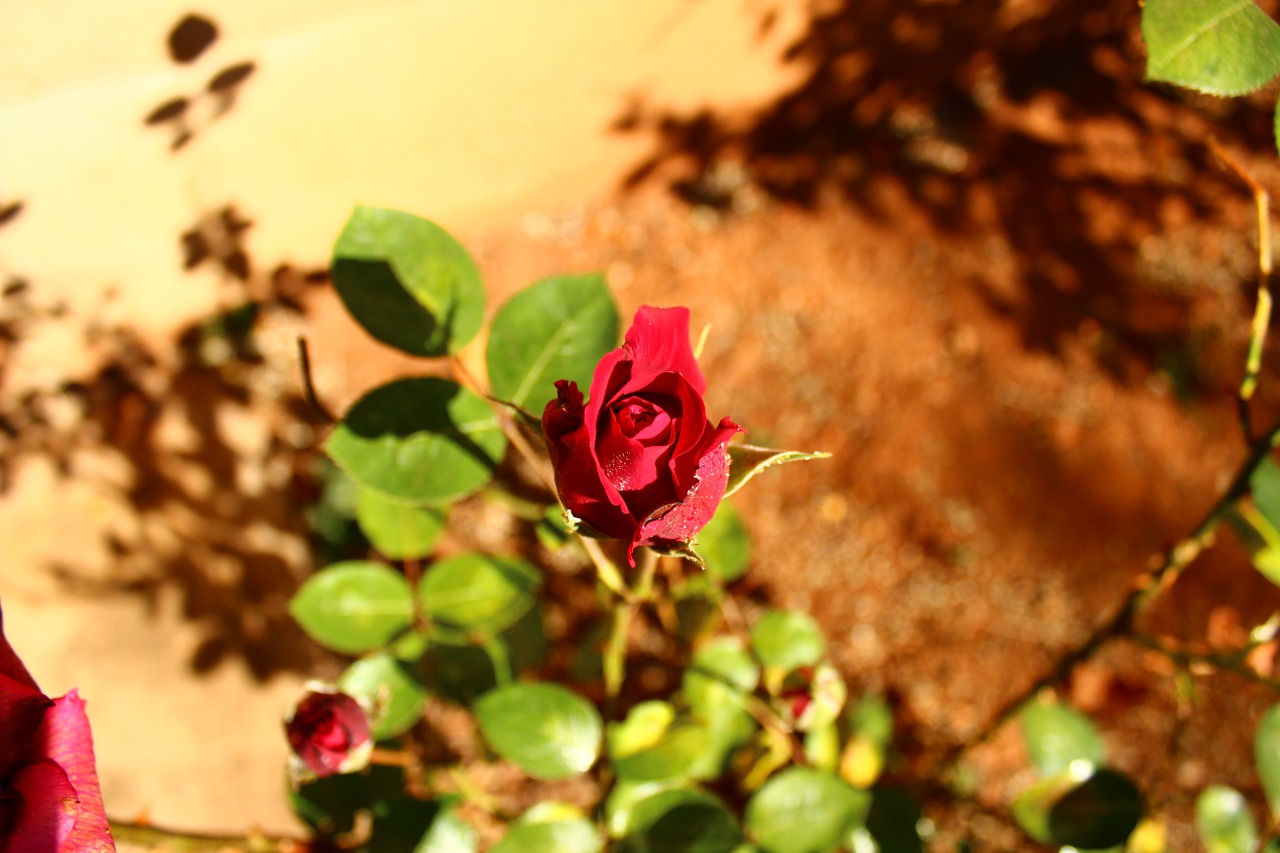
(551, 828)
(1224, 821)
(802, 810)
(407, 282)
(1056, 735)
(398, 530)
(893, 820)
(403, 824)
(623, 798)
(545, 729)
(653, 745)
(746, 460)
(459, 673)
(720, 677)
(786, 639)
(390, 688)
(1100, 812)
(479, 594)
(1266, 755)
(1092, 813)
(1264, 485)
(680, 820)
(1222, 47)
(353, 607)
(558, 328)
(419, 441)
(329, 805)
(724, 546)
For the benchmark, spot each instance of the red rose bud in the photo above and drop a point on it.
(49, 796)
(328, 732)
(640, 461)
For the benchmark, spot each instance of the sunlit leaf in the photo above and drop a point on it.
(724, 545)
(398, 530)
(786, 639)
(391, 690)
(354, 606)
(1224, 821)
(745, 461)
(548, 731)
(558, 328)
(551, 828)
(477, 593)
(1222, 47)
(803, 810)
(1056, 735)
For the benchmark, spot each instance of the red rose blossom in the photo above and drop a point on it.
(328, 732)
(50, 801)
(640, 461)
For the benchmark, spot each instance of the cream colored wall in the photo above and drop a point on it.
(467, 111)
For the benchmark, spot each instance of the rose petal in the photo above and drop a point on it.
(658, 341)
(46, 814)
(683, 521)
(22, 706)
(579, 482)
(65, 738)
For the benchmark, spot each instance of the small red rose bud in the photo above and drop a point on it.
(328, 732)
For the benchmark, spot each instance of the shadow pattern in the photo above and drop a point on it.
(218, 518)
(1021, 122)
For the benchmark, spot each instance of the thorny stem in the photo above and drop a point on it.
(1262, 309)
(143, 834)
(1234, 662)
(308, 386)
(1169, 565)
(1145, 587)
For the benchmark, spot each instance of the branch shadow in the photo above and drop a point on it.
(1029, 125)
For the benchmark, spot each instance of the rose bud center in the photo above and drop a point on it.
(331, 734)
(642, 420)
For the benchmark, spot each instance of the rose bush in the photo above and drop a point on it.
(640, 461)
(50, 801)
(328, 732)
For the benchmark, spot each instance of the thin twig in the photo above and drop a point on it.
(308, 387)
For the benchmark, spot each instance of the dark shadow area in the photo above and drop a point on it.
(190, 37)
(187, 41)
(217, 515)
(1029, 125)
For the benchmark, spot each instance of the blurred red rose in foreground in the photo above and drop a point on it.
(328, 732)
(49, 796)
(640, 461)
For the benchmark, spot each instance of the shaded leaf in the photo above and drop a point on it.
(724, 545)
(558, 328)
(420, 441)
(1222, 47)
(407, 282)
(1099, 812)
(680, 820)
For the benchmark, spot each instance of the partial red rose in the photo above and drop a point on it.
(50, 801)
(639, 460)
(328, 732)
